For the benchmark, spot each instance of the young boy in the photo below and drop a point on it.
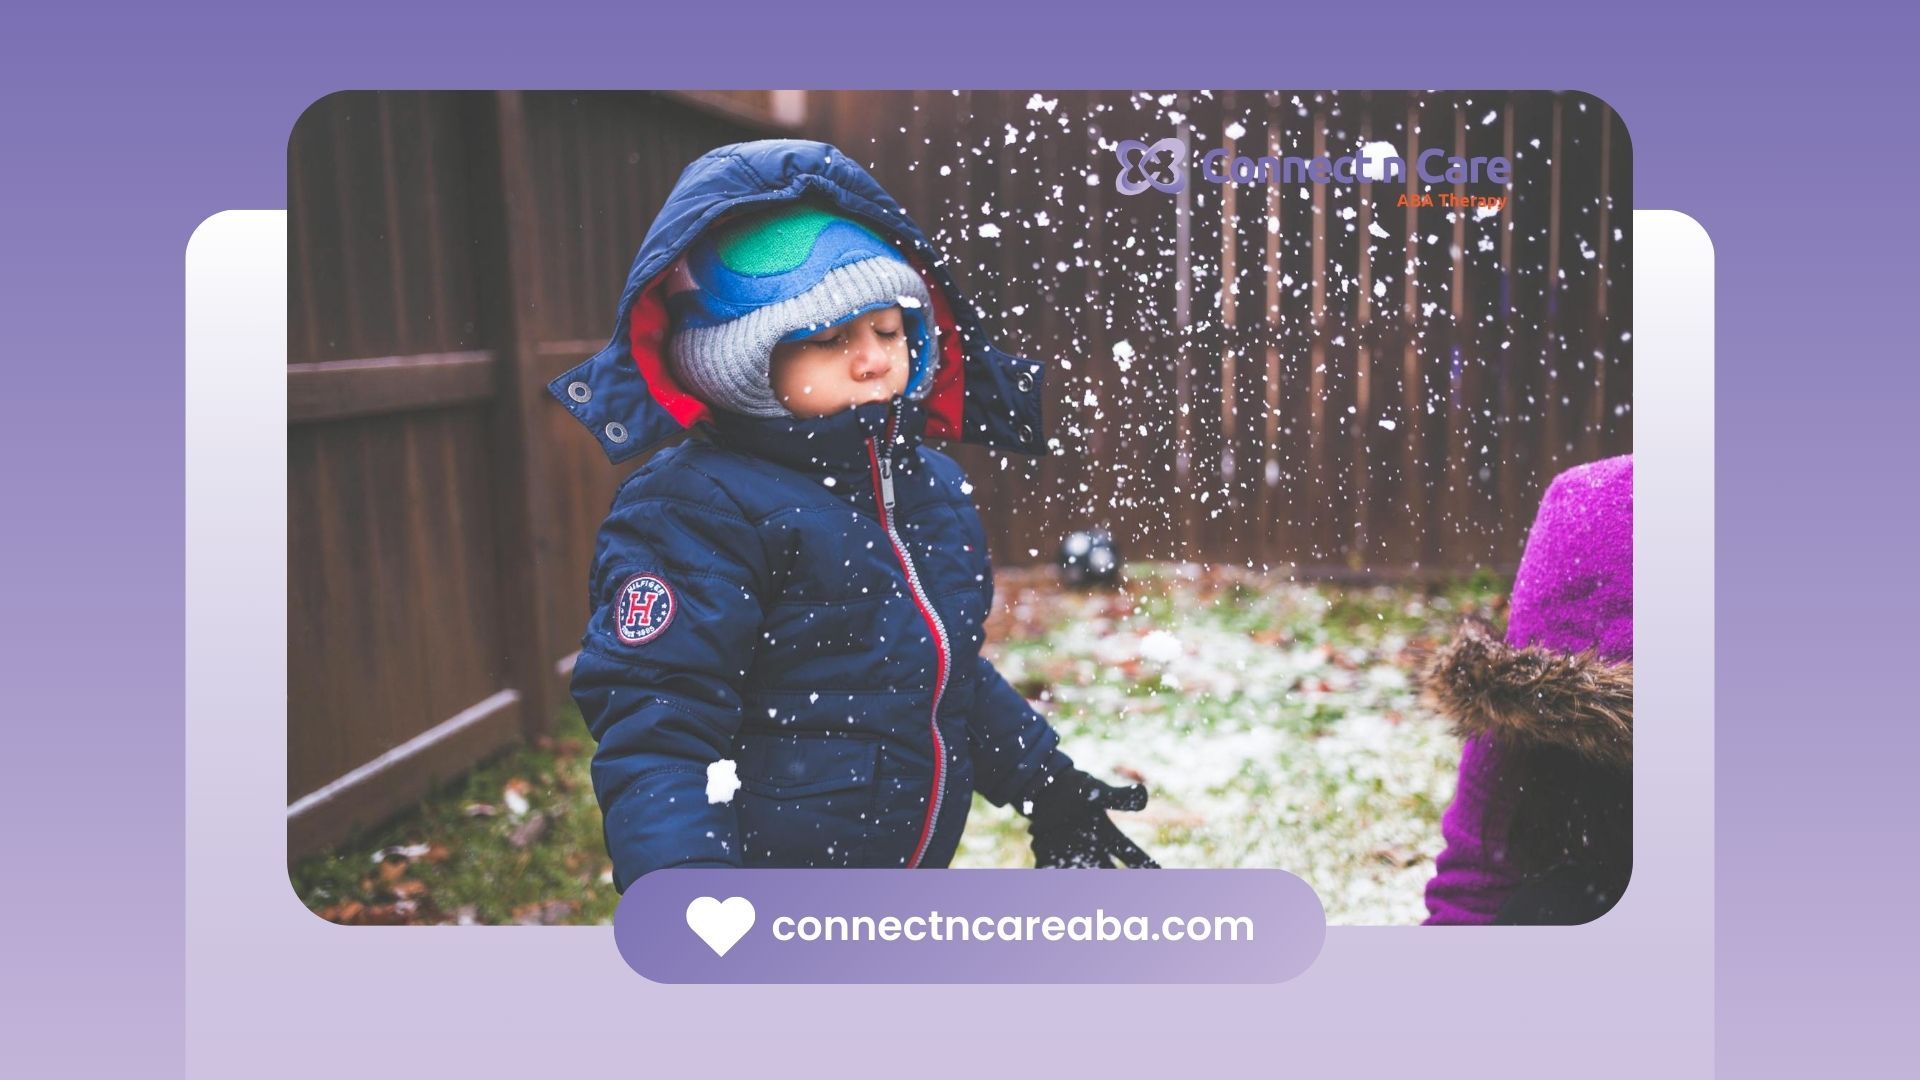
(795, 595)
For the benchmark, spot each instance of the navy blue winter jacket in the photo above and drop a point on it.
(805, 598)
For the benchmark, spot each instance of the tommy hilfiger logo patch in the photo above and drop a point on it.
(643, 610)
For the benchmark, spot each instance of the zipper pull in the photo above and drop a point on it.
(885, 457)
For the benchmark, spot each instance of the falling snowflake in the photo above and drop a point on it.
(1377, 154)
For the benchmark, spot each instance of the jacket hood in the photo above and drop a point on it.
(1533, 696)
(1574, 589)
(626, 394)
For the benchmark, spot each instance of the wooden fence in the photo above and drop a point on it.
(1253, 374)
(450, 253)
(1240, 374)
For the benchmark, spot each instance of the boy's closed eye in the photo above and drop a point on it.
(840, 335)
(864, 359)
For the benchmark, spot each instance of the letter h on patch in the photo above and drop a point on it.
(645, 608)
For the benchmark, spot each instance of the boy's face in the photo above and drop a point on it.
(862, 360)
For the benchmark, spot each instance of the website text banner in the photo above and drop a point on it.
(969, 926)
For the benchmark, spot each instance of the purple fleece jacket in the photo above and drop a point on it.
(1574, 592)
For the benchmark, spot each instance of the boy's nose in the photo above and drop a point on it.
(870, 358)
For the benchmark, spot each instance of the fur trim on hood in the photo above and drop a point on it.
(1533, 696)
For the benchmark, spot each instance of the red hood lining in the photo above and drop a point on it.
(649, 325)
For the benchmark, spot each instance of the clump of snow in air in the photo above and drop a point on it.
(723, 779)
(1374, 228)
(1040, 104)
(1123, 353)
(1377, 154)
(1161, 647)
(907, 301)
(990, 230)
(1380, 289)
(1388, 424)
(1236, 131)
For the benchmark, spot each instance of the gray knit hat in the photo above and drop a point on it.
(777, 276)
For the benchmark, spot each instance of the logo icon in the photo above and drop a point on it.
(1161, 166)
(720, 923)
(644, 609)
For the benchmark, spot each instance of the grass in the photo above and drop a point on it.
(516, 841)
(1274, 721)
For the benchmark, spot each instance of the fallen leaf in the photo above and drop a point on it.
(544, 913)
(354, 913)
(345, 911)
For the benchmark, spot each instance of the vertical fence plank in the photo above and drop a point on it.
(1231, 509)
(1510, 430)
(1360, 481)
(1413, 420)
(1590, 440)
(1553, 354)
(527, 525)
(1270, 321)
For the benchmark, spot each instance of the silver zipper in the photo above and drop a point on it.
(883, 475)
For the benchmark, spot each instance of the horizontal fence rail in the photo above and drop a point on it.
(343, 389)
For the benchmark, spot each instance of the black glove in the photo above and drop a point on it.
(1067, 817)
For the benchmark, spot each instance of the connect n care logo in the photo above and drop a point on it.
(1161, 166)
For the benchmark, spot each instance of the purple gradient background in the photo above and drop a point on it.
(122, 129)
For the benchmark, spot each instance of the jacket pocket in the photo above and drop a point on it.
(806, 801)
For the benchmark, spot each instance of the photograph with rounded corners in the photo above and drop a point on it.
(1128, 480)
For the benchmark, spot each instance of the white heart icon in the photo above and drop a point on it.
(721, 924)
